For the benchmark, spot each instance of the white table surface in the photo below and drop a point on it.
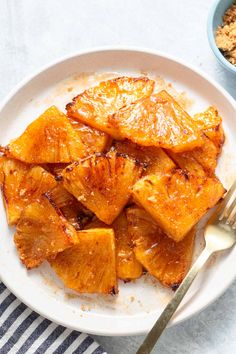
(35, 32)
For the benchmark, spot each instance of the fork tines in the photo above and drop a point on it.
(228, 214)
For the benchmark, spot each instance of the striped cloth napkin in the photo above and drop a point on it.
(24, 331)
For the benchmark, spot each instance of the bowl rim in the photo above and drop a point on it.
(211, 39)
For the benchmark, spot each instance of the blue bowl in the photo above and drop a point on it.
(214, 20)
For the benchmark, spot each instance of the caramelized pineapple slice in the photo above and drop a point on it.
(128, 268)
(42, 232)
(217, 136)
(210, 122)
(199, 161)
(159, 121)
(102, 183)
(154, 159)
(48, 139)
(94, 105)
(187, 162)
(165, 259)
(95, 140)
(206, 156)
(60, 196)
(89, 267)
(203, 159)
(22, 184)
(177, 200)
(74, 212)
(12, 173)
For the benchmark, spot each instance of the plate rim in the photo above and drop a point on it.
(107, 48)
(95, 50)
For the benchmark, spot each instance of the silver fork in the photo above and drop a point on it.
(220, 235)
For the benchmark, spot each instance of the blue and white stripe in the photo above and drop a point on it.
(23, 331)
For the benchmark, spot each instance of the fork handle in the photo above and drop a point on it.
(156, 331)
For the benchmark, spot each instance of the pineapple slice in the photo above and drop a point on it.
(206, 156)
(165, 259)
(155, 159)
(42, 232)
(177, 200)
(90, 266)
(93, 139)
(74, 212)
(128, 268)
(22, 184)
(199, 161)
(48, 139)
(94, 105)
(102, 183)
(187, 162)
(159, 121)
(210, 122)
(60, 196)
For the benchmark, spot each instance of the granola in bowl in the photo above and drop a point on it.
(226, 35)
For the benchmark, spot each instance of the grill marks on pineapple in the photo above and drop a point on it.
(74, 212)
(154, 160)
(42, 232)
(102, 183)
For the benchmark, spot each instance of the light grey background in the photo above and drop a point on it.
(35, 32)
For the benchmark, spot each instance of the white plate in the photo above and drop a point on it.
(138, 304)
